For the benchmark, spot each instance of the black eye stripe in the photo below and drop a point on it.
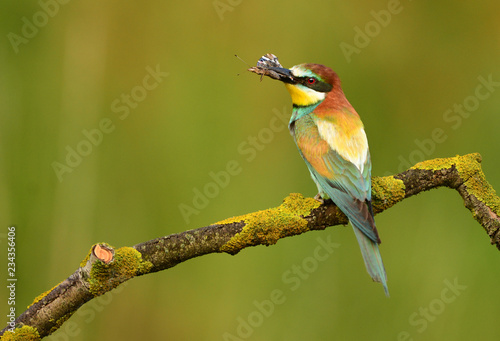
(318, 85)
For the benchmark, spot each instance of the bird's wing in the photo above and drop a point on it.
(341, 166)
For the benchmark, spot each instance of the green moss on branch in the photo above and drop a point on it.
(127, 263)
(268, 226)
(24, 333)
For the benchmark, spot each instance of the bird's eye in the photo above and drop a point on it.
(311, 81)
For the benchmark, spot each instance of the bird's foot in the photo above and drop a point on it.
(322, 200)
(319, 198)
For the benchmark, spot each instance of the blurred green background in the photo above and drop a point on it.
(71, 72)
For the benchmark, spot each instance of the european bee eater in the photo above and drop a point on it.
(332, 141)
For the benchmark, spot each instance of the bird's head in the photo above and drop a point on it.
(308, 84)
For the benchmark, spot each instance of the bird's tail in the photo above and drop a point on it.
(372, 258)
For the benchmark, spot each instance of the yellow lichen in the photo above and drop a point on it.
(386, 192)
(87, 257)
(466, 164)
(436, 164)
(39, 297)
(268, 226)
(470, 171)
(127, 263)
(59, 322)
(24, 333)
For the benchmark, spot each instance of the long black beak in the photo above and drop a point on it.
(284, 75)
(278, 73)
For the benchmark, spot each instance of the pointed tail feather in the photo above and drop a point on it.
(372, 258)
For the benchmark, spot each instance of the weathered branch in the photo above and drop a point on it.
(105, 267)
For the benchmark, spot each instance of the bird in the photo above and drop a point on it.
(331, 139)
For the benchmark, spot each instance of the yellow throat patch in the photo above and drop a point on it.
(303, 96)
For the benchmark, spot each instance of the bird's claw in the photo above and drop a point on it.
(319, 198)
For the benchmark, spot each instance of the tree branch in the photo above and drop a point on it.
(105, 268)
